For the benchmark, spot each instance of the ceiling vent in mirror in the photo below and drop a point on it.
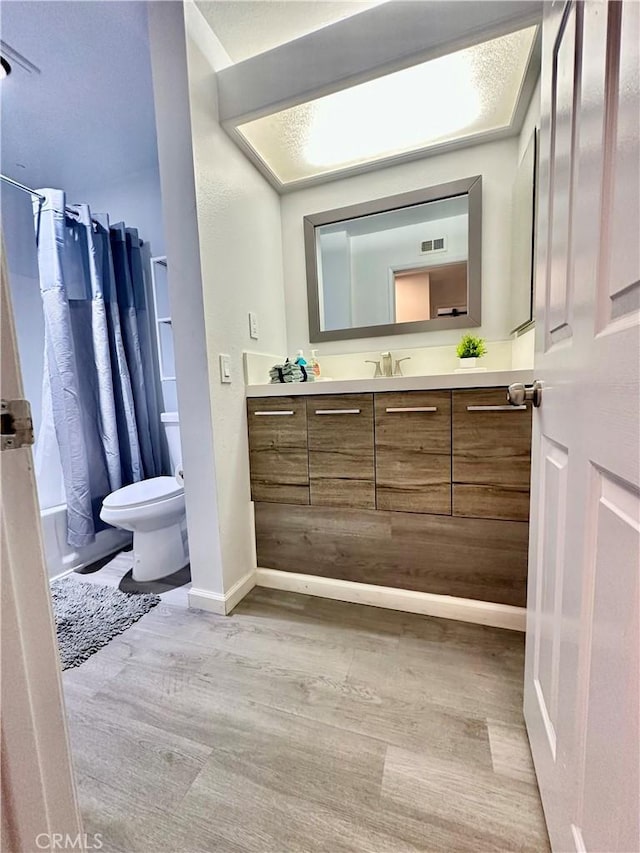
(437, 244)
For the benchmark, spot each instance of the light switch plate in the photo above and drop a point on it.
(225, 368)
(253, 325)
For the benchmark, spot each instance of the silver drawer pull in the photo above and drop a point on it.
(271, 414)
(495, 408)
(337, 411)
(393, 411)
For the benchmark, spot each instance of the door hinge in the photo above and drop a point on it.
(16, 424)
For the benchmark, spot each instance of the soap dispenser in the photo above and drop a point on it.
(314, 364)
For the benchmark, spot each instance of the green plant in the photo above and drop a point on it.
(470, 347)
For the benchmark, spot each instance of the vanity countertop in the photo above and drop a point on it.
(437, 381)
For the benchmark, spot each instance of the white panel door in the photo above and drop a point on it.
(37, 789)
(582, 688)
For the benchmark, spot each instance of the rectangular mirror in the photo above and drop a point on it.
(405, 263)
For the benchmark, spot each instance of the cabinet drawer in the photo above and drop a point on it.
(491, 456)
(341, 458)
(413, 451)
(278, 449)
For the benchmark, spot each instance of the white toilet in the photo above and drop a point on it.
(154, 510)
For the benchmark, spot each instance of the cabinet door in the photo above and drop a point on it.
(491, 456)
(341, 466)
(278, 449)
(413, 451)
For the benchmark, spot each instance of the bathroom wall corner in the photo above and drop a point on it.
(175, 155)
(222, 603)
(240, 249)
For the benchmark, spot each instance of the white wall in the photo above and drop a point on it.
(495, 161)
(175, 158)
(241, 256)
(133, 197)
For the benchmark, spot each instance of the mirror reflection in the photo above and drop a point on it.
(395, 267)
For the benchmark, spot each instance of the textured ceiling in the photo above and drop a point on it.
(88, 117)
(248, 27)
(453, 97)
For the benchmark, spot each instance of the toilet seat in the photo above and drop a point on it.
(144, 493)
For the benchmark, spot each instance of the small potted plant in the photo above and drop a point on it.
(469, 350)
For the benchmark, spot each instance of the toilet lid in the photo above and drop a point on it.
(144, 492)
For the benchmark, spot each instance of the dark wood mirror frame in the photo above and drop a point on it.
(466, 186)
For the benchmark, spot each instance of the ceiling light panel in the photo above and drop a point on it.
(472, 91)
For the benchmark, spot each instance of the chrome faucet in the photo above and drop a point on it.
(387, 364)
(388, 369)
(397, 370)
(377, 372)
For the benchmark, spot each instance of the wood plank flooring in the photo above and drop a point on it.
(301, 724)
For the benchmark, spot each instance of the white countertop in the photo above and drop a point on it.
(488, 379)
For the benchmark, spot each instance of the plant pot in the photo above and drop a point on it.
(468, 363)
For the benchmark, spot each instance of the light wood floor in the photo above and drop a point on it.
(300, 724)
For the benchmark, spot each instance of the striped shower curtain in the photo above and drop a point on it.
(97, 391)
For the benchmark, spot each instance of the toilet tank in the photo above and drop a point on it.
(172, 431)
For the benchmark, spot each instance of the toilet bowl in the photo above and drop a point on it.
(154, 511)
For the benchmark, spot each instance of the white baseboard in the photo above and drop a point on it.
(222, 603)
(426, 603)
(239, 590)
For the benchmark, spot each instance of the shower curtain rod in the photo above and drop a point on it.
(42, 198)
(21, 187)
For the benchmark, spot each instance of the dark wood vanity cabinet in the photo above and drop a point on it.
(278, 449)
(491, 456)
(420, 490)
(341, 450)
(413, 451)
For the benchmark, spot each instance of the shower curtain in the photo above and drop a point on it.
(96, 384)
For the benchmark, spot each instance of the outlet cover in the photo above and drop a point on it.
(253, 325)
(225, 368)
